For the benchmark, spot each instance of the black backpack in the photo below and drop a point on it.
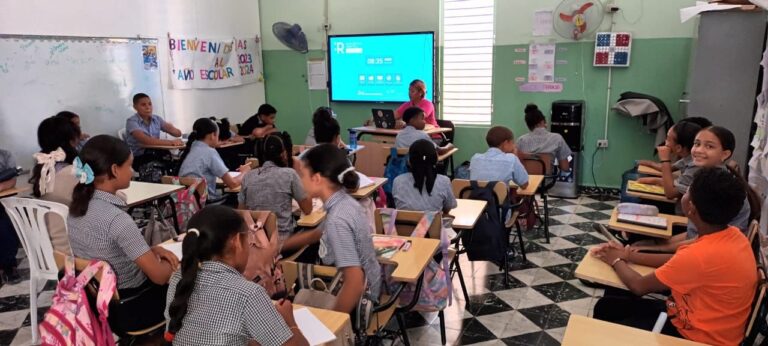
(488, 240)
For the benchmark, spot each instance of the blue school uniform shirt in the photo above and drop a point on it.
(410, 134)
(134, 122)
(204, 162)
(496, 165)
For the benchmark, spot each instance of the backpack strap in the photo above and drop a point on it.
(388, 218)
(422, 227)
(107, 285)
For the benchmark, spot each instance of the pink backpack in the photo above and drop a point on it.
(70, 320)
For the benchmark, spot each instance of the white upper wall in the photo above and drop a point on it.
(149, 18)
(644, 18)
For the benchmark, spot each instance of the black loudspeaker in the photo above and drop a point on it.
(568, 121)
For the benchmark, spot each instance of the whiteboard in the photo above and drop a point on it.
(93, 77)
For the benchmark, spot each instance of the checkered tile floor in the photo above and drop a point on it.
(534, 310)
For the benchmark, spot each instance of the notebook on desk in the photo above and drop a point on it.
(643, 220)
(646, 188)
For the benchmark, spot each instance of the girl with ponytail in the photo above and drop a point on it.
(100, 229)
(209, 300)
(200, 159)
(346, 241)
(423, 189)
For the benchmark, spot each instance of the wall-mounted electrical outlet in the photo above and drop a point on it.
(602, 143)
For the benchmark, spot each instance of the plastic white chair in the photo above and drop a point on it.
(121, 134)
(28, 217)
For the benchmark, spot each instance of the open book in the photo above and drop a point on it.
(647, 188)
(364, 180)
(387, 246)
(643, 220)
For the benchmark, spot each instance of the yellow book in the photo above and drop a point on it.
(647, 188)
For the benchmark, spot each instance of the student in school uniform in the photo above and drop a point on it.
(209, 301)
(75, 119)
(417, 92)
(274, 186)
(499, 163)
(346, 241)
(326, 130)
(422, 189)
(679, 143)
(143, 128)
(712, 148)
(100, 229)
(541, 141)
(9, 243)
(53, 176)
(321, 114)
(200, 159)
(414, 130)
(260, 124)
(712, 279)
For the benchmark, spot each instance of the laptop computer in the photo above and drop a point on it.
(383, 118)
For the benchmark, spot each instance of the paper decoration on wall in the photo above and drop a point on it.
(542, 23)
(541, 87)
(541, 63)
(612, 49)
(316, 75)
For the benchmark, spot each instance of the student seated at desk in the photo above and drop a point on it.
(323, 114)
(143, 128)
(499, 163)
(260, 124)
(273, 186)
(209, 301)
(200, 159)
(414, 130)
(540, 140)
(9, 243)
(53, 177)
(713, 147)
(712, 280)
(100, 229)
(422, 189)
(326, 130)
(82, 137)
(679, 143)
(346, 241)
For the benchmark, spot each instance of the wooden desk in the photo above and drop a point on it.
(585, 331)
(368, 190)
(337, 322)
(447, 155)
(410, 264)
(534, 181)
(650, 171)
(141, 192)
(593, 269)
(372, 130)
(300, 148)
(467, 212)
(164, 147)
(14, 191)
(228, 144)
(672, 220)
(312, 220)
(650, 196)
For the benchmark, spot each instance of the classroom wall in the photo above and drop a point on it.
(148, 18)
(660, 57)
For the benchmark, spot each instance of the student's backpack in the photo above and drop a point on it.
(396, 165)
(316, 293)
(262, 265)
(70, 321)
(488, 240)
(436, 290)
(188, 201)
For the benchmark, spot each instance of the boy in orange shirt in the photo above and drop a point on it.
(712, 280)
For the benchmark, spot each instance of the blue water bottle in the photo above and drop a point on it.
(352, 139)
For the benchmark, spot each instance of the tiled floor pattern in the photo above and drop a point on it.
(533, 310)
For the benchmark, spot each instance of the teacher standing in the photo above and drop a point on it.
(416, 92)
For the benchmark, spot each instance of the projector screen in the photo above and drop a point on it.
(379, 67)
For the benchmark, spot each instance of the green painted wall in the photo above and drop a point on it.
(286, 89)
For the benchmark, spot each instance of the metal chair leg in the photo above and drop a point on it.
(461, 278)
(403, 331)
(441, 315)
(520, 237)
(546, 215)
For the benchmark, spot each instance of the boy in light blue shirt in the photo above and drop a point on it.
(414, 131)
(499, 163)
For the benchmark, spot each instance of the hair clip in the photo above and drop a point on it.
(48, 170)
(340, 177)
(82, 172)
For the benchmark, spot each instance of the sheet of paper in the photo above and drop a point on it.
(174, 247)
(234, 174)
(542, 23)
(689, 12)
(364, 180)
(316, 75)
(541, 63)
(314, 331)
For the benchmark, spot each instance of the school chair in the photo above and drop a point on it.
(92, 290)
(462, 189)
(405, 224)
(381, 313)
(121, 134)
(28, 218)
(448, 137)
(542, 164)
(759, 310)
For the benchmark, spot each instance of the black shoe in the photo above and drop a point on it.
(11, 276)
